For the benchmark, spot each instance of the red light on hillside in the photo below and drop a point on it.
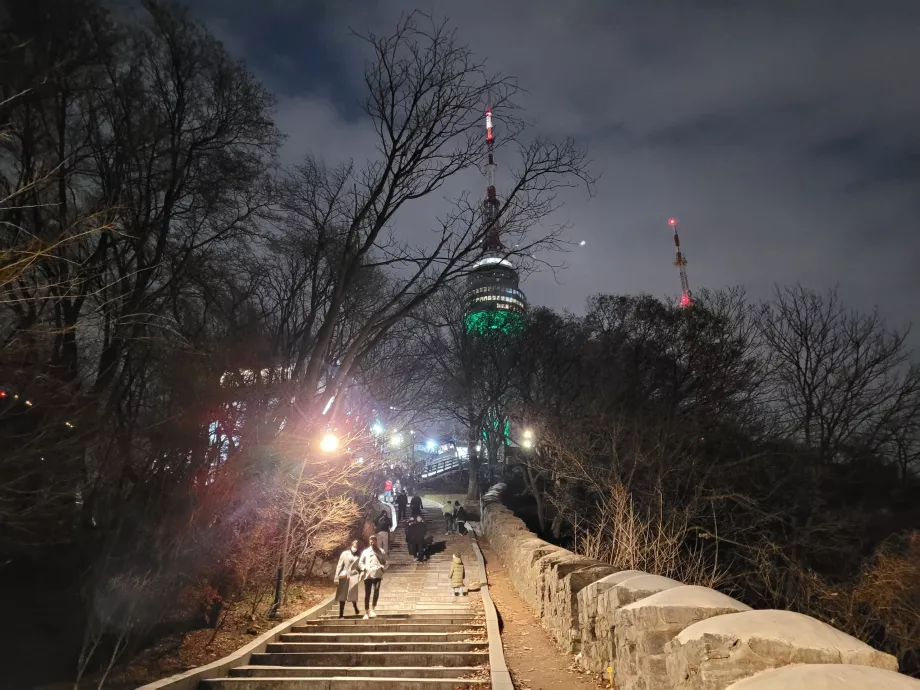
(2, 394)
(672, 221)
(685, 300)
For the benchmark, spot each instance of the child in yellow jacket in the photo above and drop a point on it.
(457, 573)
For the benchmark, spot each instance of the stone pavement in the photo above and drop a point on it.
(423, 636)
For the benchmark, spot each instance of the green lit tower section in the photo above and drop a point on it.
(494, 300)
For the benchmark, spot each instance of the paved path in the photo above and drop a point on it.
(423, 636)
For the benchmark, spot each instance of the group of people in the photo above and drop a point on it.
(353, 569)
(454, 518)
(356, 566)
(414, 505)
(392, 489)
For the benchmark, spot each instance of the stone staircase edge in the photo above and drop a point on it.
(498, 670)
(219, 669)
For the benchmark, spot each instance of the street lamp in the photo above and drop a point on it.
(327, 444)
(527, 441)
(396, 440)
(377, 429)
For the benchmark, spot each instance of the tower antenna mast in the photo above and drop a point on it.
(686, 299)
(492, 240)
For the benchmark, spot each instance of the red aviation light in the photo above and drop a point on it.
(685, 300)
(672, 221)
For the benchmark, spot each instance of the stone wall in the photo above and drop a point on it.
(658, 633)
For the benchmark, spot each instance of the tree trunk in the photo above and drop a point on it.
(530, 481)
(472, 492)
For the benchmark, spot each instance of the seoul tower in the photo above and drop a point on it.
(493, 299)
(686, 299)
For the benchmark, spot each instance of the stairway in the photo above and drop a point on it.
(423, 636)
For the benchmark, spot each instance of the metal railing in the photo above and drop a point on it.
(441, 465)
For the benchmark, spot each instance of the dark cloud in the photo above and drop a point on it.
(782, 134)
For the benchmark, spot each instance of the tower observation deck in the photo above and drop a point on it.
(493, 298)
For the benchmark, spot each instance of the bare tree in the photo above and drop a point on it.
(839, 378)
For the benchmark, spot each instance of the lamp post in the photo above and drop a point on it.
(327, 444)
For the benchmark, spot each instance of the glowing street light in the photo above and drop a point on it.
(432, 445)
(527, 441)
(396, 440)
(329, 443)
(377, 429)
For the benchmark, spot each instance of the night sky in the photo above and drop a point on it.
(784, 135)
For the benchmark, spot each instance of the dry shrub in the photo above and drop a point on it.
(659, 541)
(888, 595)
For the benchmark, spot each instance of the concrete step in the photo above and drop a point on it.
(344, 683)
(368, 636)
(375, 658)
(412, 647)
(363, 671)
(450, 616)
(371, 627)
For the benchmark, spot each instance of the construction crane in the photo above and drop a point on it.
(686, 299)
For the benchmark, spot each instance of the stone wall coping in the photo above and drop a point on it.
(826, 677)
(795, 629)
(690, 596)
(220, 668)
(641, 583)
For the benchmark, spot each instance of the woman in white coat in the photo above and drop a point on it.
(348, 579)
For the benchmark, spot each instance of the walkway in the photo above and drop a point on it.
(423, 636)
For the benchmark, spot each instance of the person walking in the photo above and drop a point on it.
(415, 506)
(421, 534)
(348, 578)
(457, 574)
(382, 524)
(460, 517)
(372, 563)
(388, 492)
(401, 502)
(448, 511)
(412, 531)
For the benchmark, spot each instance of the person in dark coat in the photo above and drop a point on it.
(347, 578)
(382, 523)
(401, 502)
(412, 530)
(460, 517)
(415, 505)
(421, 533)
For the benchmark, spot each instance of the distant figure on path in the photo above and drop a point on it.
(401, 502)
(457, 573)
(460, 517)
(382, 525)
(415, 505)
(421, 534)
(372, 563)
(347, 578)
(388, 492)
(448, 510)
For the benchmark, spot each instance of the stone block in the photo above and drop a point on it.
(611, 593)
(592, 657)
(644, 627)
(567, 609)
(714, 653)
(826, 677)
(545, 579)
